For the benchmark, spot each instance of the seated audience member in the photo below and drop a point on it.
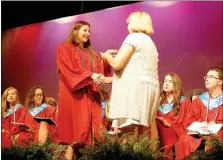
(43, 113)
(18, 126)
(206, 109)
(171, 113)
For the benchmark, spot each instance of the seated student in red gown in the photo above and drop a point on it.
(171, 113)
(18, 126)
(36, 104)
(207, 108)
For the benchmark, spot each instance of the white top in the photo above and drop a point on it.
(135, 88)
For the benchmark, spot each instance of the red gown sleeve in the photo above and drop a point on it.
(107, 69)
(25, 117)
(219, 117)
(74, 76)
(48, 112)
(194, 113)
(180, 118)
(103, 67)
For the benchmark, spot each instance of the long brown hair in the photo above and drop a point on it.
(29, 102)
(73, 38)
(177, 92)
(5, 104)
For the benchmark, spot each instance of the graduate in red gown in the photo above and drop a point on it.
(171, 113)
(36, 104)
(13, 116)
(79, 66)
(207, 108)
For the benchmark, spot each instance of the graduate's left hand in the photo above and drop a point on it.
(166, 123)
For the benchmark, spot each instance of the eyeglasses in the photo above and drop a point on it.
(210, 77)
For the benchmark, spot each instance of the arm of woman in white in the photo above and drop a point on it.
(117, 62)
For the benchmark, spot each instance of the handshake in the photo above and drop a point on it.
(100, 79)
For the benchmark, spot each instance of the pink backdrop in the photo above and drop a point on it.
(188, 36)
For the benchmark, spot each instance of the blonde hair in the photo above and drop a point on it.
(5, 104)
(140, 22)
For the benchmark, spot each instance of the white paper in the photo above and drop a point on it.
(204, 128)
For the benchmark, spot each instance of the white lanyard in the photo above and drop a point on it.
(216, 112)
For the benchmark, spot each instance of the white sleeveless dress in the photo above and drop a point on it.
(135, 88)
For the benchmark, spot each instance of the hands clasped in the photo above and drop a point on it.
(100, 79)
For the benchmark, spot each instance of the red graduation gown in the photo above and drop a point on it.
(170, 135)
(48, 112)
(79, 100)
(197, 113)
(22, 116)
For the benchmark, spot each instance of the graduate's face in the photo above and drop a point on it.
(212, 80)
(11, 97)
(168, 84)
(84, 34)
(38, 97)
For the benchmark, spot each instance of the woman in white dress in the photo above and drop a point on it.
(135, 83)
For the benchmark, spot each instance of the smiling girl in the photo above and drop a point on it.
(18, 125)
